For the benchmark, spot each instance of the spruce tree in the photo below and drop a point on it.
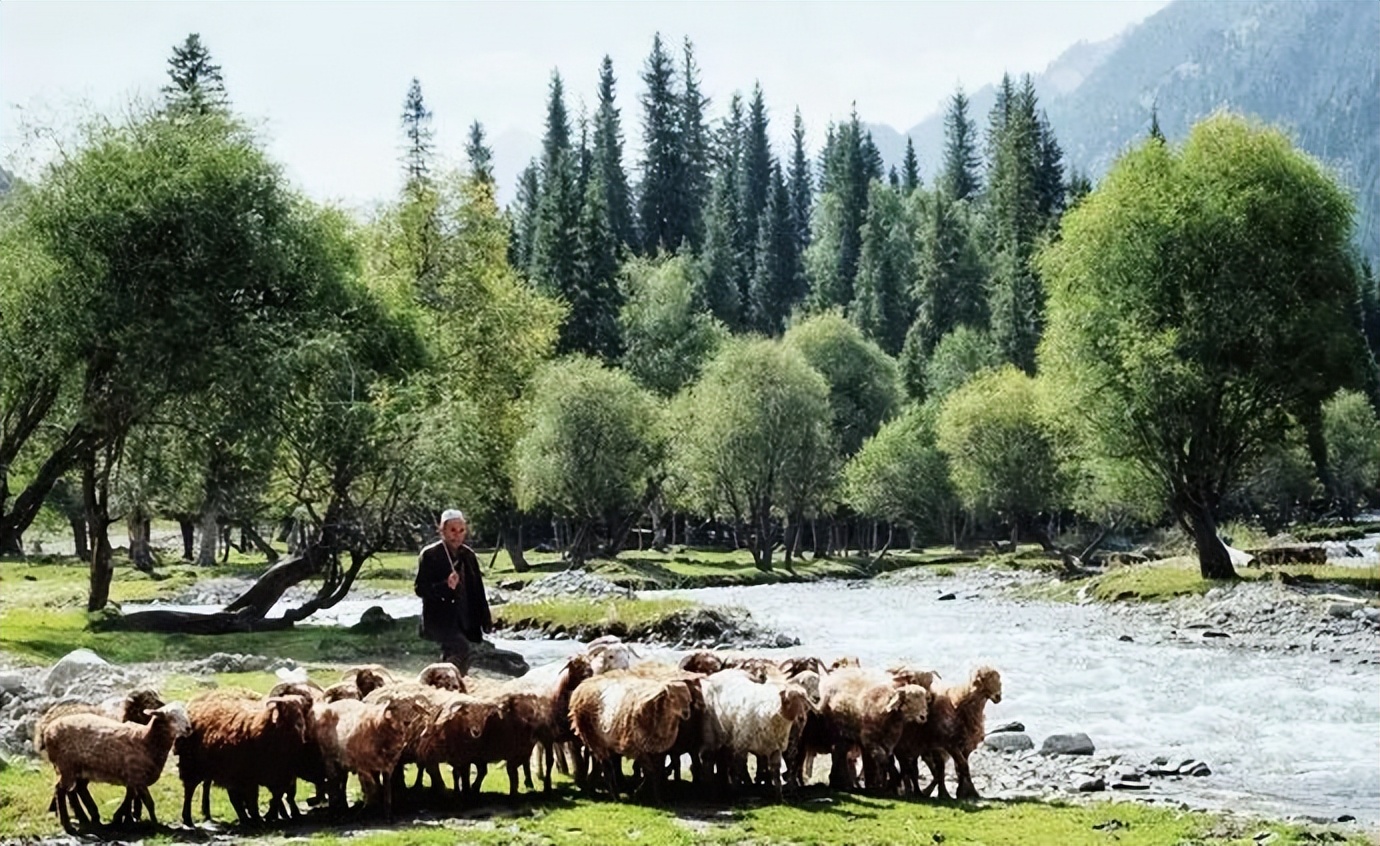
(608, 158)
(416, 122)
(694, 153)
(197, 86)
(525, 216)
(754, 179)
(950, 289)
(959, 176)
(800, 186)
(910, 169)
(893, 179)
(1155, 132)
(480, 157)
(554, 247)
(716, 288)
(592, 324)
(658, 196)
(849, 166)
(1049, 175)
(882, 304)
(775, 285)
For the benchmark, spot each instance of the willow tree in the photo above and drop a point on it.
(1199, 297)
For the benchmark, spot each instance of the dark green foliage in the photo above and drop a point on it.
(958, 178)
(667, 339)
(777, 281)
(910, 168)
(851, 163)
(717, 291)
(416, 122)
(608, 159)
(1370, 307)
(555, 247)
(801, 186)
(754, 180)
(591, 327)
(480, 157)
(660, 196)
(883, 305)
(524, 213)
(694, 145)
(949, 277)
(197, 86)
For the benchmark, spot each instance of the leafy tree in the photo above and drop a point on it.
(1353, 449)
(162, 249)
(668, 340)
(197, 85)
(863, 388)
(1001, 456)
(749, 429)
(901, 476)
(608, 158)
(957, 358)
(958, 179)
(1179, 328)
(883, 305)
(589, 449)
(1278, 481)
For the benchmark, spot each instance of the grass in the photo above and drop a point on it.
(1163, 580)
(580, 618)
(566, 818)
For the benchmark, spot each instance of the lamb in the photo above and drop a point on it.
(869, 710)
(232, 736)
(956, 726)
(90, 747)
(366, 738)
(743, 716)
(619, 714)
(133, 707)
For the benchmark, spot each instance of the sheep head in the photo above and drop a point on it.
(795, 703)
(367, 681)
(911, 702)
(174, 714)
(139, 704)
(288, 711)
(988, 681)
(706, 663)
(845, 661)
(905, 674)
(442, 675)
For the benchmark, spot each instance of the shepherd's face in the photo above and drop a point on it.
(453, 532)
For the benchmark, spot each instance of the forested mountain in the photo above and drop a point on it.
(1311, 67)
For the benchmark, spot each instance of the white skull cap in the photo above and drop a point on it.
(452, 514)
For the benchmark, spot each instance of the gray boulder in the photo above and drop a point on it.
(1068, 744)
(75, 665)
(1009, 742)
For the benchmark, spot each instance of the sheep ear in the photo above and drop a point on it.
(894, 701)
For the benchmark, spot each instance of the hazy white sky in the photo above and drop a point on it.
(326, 79)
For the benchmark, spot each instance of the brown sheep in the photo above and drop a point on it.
(241, 743)
(365, 738)
(619, 714)
(133, 707)
(956, 726)
(357, 684)
(90, 747)
(553, 726)
(690, 735)
(452, 737)
(509, 736)
(869, 711)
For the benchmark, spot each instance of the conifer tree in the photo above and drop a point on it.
(893, 179)
(959, 176)
(882, 304)
(800, 186)
(849, 167)
(592, 324)
(197, 86)
(716, 288)
(1049, 175)
(1155, 122)
(608, 158)
(694, 152)
(754, 179)
(910, 169)
(658, 196)
(949, 277)
(554, 246)
(416, 122)
(480, 157)
(776, 279)
(525, 216)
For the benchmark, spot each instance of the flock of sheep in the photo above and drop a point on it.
(585, 715)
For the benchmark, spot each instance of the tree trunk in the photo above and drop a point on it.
(210, 537)
(1214, 562)
(188, 537)
(95, 496)
(79, 539)
(270, 587)
(140, 546)
(253, 536)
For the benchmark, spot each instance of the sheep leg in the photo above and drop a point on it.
(549, 759)
(481, 769)
(513, 766)
(773, 769)
(206, 800)
(84, 803)
(188, 788)
(147, 799)
(60, 796)
(966, 788)
(935, 762)
(841, 771)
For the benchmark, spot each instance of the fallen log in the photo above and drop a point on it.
(190, 622)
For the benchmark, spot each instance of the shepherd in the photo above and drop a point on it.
(455, 610)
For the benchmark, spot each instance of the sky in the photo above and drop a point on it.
(324, 81)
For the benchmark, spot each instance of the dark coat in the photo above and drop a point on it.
(445, 612)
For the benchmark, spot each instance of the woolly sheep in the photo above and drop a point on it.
(956, 726)
(868, 710)
(619, 714)
(743, 716)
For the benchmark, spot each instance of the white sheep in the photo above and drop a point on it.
(744, 717)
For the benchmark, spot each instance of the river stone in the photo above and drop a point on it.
(1012, 726)
(1094, 785)
(1341, 610)
(72, 666)
(1194, 767)
(1009, 742)
(12, 683)
(1068, 744)
(374, 619)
